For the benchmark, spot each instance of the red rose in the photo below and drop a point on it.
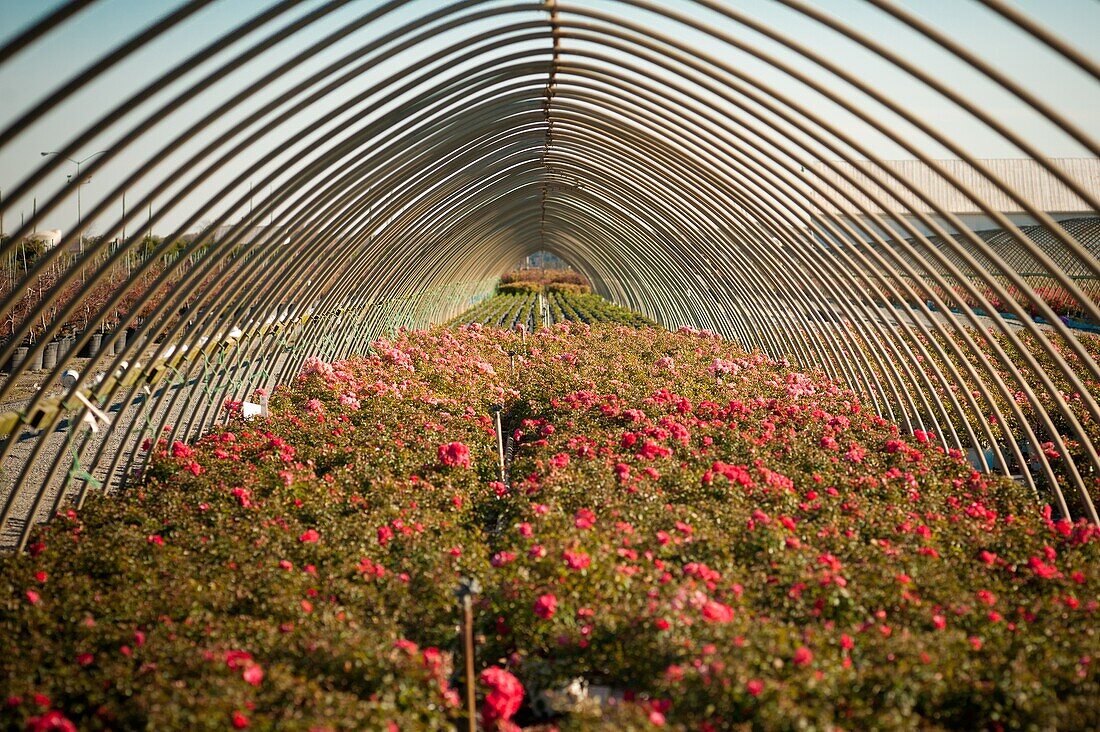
(50, 722)
(803, 656)
(501, 558)
(576, 560)
(310, 537)
(454, 455)
(237, 659)
(180, 450)
(716, 612)
(504, 698)
(1042, 569)
(545, 606)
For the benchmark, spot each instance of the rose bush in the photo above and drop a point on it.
(1007, 427)
(699, 536)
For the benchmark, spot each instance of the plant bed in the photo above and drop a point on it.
(564, 305)
(534, 280)
(713, 539)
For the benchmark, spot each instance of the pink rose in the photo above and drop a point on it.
(254, 674)
(716, 612)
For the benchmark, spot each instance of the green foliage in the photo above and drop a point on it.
(701, 534)
(519, 305)
(148, 245)
(27, 252)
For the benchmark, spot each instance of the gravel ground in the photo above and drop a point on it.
(39, 482)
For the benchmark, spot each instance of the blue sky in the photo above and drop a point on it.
(24, 79)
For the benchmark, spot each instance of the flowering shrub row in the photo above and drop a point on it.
(504, 310)
(1047, 290)
(521, 308)
(538, 279)
(586, 308)
(984, 359)
(690, 536)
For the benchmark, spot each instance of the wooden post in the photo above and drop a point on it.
(467, 588)
(471, 697)
(497, 409)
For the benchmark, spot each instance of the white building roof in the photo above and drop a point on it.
(1026, 176)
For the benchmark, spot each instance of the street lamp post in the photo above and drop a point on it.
(80, 184)
(79, 215)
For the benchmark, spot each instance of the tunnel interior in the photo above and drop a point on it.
(322, 174)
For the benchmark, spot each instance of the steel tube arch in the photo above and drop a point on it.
(668, 175)
(918, 237)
